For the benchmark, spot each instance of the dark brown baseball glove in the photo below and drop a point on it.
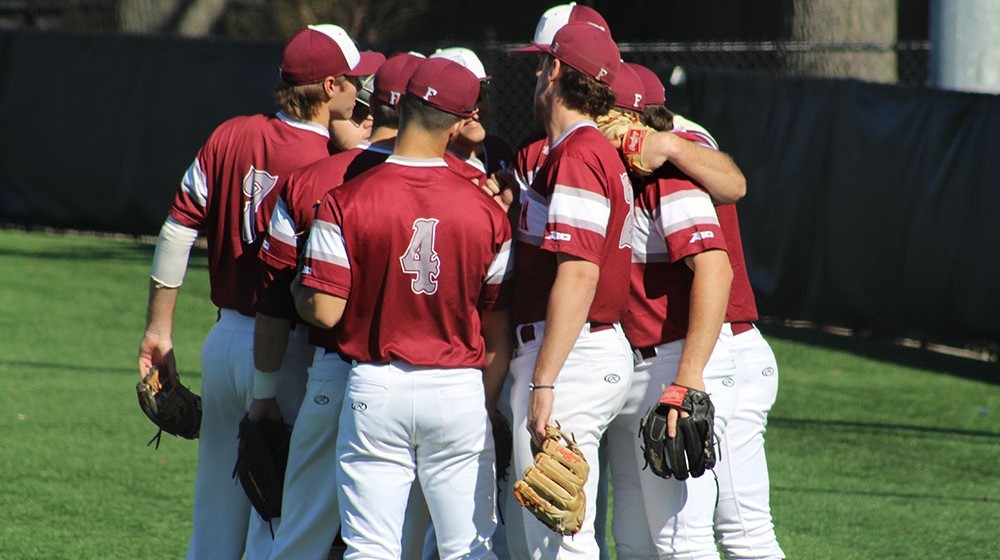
(171, 406)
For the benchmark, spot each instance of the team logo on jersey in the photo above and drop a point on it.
(701, 235)
(307, 270)
(359, 406)
(728, 382)
(612, 378)
(321, 400)
(559, 236)
(430, 93)
(768, 372)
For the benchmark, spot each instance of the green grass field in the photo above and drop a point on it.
(875, 452)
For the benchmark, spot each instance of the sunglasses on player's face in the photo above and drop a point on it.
(360, 113)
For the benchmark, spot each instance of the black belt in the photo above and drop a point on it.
(527, 332)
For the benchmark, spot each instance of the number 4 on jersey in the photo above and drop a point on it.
(420, 258)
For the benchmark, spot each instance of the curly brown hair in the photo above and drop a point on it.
(584, 94)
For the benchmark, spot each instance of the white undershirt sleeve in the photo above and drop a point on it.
(173, 248)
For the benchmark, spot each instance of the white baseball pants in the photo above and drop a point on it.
(679, 514)
(222, 512)
(310, 511)
(589, 393)
(743, 524)
(402, 424)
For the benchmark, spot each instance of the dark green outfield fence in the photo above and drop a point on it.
(869, 206)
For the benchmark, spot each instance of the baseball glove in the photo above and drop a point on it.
(692, 450)
(171, 406)
(503, 441)
(627, 133)
(552, 488)
(260, 463)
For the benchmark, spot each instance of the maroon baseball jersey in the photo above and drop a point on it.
(742, 305)
(293, 216)
(230, 191)
(418, 251)
(578, 203)
(674, 219)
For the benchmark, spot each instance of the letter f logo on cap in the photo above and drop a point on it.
(638, 100)
(430, 92)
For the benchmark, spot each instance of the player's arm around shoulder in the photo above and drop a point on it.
(712, 169)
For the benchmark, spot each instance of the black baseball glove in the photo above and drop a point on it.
(692, 450)
(260, 463)
(171, 406)
(503, 440)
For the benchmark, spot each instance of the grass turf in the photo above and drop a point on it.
(874, 453)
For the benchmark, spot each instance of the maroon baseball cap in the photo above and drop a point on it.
(589, 48)
(651, 84)
(392, 77)
(445, 85)
(318, 51)
(554, 19)
(629, 91)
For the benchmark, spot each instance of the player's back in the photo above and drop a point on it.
(427, 250)
(230, 192)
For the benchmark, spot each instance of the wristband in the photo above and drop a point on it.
(265, 384)
(532, 387)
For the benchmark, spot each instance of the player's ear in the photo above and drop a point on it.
(331, 86)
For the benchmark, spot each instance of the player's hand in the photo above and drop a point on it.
(264, 409)
(501, 186)
(540, 403)
(156, 350)
(691, 381)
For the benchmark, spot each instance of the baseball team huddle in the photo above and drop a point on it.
(406, 306)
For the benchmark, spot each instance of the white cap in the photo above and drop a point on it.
(557, 17)
(466, 58)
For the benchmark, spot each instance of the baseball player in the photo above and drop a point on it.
(680, 287)
(743, 524)
(486, 154)
(228, 193)
(310, 513)
(410, 259)
(573, 364)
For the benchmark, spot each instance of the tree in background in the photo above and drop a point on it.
(846, 22)
(190, 18)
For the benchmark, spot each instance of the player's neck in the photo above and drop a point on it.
(560, 120)
(419, 143)
(382, 133)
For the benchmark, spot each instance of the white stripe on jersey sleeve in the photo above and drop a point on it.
(647, 247)
(195, 184)
(580, 209)
(326, 243)
(282, 227)
(501, 267)
(684, 209)
(535, 209)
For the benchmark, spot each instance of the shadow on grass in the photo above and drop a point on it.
(812, 424)
(118, 250)
(869, 494)
(885, 349)
(77, 368)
